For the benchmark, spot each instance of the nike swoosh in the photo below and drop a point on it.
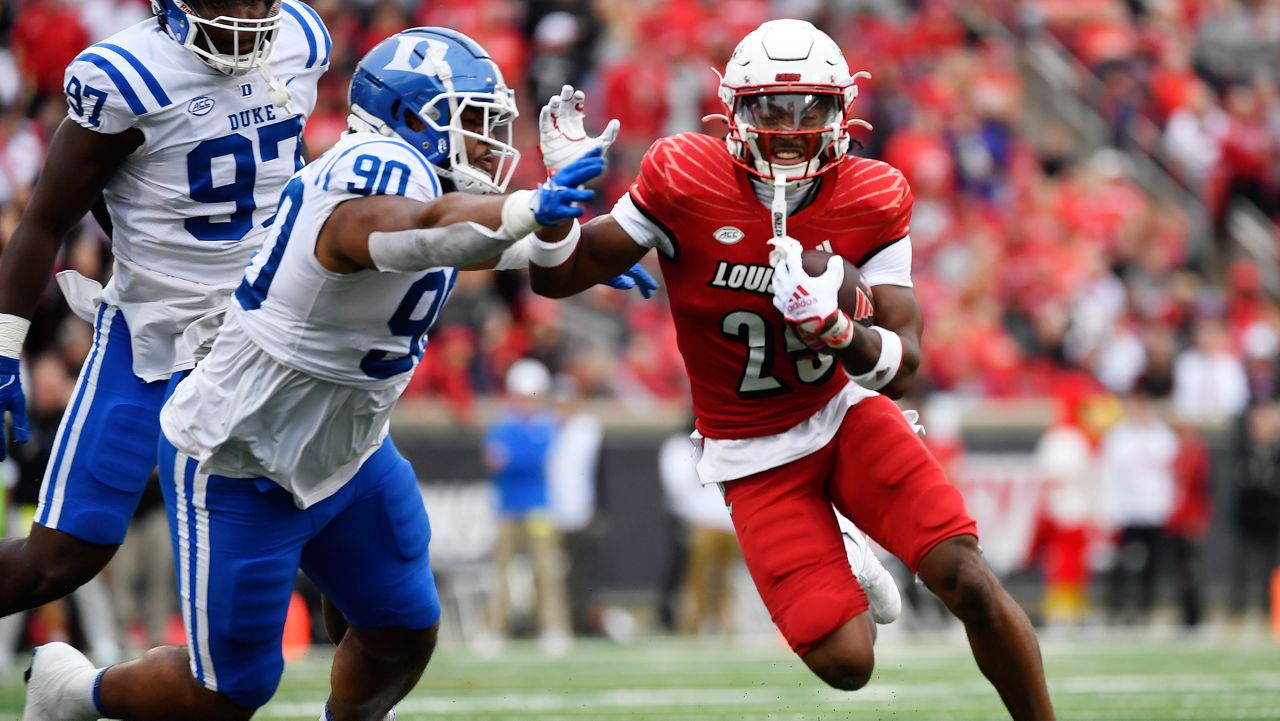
(7, 383)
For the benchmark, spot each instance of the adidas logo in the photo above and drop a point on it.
(800, 299)
(863, 308)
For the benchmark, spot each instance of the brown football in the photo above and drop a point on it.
(855, 294)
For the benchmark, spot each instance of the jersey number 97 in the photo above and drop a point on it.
(241, 188)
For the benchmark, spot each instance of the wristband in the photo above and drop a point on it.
(550, 255)
(887, 365)
(840, 334)
(517, 216)
(13, 331)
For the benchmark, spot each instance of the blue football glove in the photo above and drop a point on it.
(559, 198)
(13, 401)
(636, 277)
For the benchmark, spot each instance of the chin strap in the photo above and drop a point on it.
(362, 122)
(277, 91)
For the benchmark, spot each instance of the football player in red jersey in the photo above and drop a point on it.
(789, 431)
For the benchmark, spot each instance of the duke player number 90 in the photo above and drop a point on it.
(377, 175)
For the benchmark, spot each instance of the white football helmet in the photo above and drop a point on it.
(252, 39)
(787, 94)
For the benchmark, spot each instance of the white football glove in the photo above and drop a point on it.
(808, 302)
(783, 247)
(562, 138)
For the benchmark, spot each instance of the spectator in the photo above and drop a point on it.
(711, 547)
(1194, 136)
(51, 388)
(1136, 468)
(1256, 508)
(572, 468)
(142, 580)
(47, 36)
(517, 446)
(1189, 521)
(1066, 457)
(1209, 383)
(1248, 152)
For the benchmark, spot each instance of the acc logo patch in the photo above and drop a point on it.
(200, 106)
(728, 235)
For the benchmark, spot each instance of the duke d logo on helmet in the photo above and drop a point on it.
(422, 56)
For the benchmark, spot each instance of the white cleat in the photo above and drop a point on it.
(877, 582)
(60, 685)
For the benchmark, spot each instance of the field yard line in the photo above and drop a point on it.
(1163, 683)
(603, 700)
(772, 697)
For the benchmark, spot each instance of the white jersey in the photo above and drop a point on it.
(190, 206)
(364, 329)
(300, 383)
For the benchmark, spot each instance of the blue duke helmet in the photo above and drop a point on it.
(418, 83)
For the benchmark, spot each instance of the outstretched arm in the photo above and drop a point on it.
(393, 233)
(603, 251)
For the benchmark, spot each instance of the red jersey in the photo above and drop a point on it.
(750, 376)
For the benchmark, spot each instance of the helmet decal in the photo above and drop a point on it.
(412, 57)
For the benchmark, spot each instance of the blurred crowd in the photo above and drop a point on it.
(1043, 267)
(1033, 252)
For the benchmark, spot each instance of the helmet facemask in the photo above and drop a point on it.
(787, 87)
(495, 113)
(790, 133)
(251, 40)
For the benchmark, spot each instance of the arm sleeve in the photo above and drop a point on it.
(890, 266)
(102, 96)
(644, 231)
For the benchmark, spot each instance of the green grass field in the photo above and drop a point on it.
(1128, 678)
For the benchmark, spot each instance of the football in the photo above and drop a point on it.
(855, 294)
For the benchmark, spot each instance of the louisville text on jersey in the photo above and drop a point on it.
(743, 276)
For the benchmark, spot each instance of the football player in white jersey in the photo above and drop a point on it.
(275, 455)
(187, 125)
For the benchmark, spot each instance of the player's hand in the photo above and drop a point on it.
(13, 401)
(562, 137)
(636, 277)
(558, 199)
(808, 302)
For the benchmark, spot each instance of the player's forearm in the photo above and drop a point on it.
(25, 267)
(455, 208)
(601, 250)
(864, 352)
(560, 281)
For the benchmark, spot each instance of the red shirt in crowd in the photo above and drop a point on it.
(1192, 505)
(47, 37)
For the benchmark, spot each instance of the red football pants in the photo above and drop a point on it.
(877, 472)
